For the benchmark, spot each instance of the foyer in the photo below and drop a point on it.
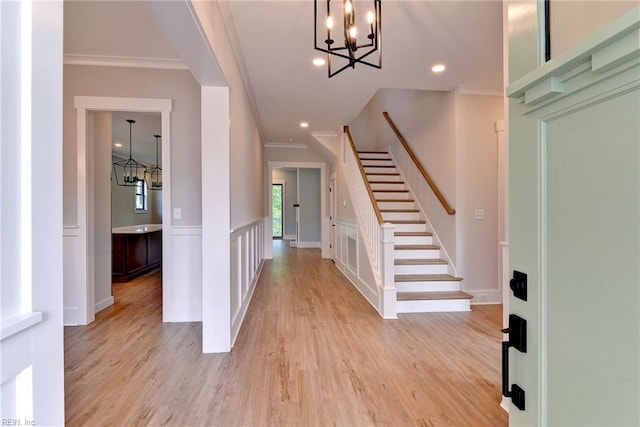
(311, 352)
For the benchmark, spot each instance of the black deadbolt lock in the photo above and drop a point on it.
(519, 285)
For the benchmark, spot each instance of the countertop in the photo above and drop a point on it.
(137, 229)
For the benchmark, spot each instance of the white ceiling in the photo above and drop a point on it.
(275, 43)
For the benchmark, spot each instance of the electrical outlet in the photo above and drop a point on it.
(479, 214)
(483, 297)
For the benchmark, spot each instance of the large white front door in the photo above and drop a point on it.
(574, 135)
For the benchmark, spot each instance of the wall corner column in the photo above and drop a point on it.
(216, 237)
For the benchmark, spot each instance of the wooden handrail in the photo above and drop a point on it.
(422, 170)
(364, 176)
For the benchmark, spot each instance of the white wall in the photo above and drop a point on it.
(477, 188)
(177, 85)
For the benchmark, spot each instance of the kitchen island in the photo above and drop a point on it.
(136, 250)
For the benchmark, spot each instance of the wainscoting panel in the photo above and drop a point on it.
(184, 300)
(71, 275)
(247, 258)
(353, 262)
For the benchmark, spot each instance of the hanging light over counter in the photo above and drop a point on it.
(154, 175)
(128, 172)
(338, 26)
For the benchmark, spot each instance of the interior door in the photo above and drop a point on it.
(575, 238)
(332, 217)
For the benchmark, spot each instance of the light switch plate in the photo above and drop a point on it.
(177, 213)
(479, 214)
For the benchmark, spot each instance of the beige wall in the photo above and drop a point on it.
(141, 83)
(571, 21)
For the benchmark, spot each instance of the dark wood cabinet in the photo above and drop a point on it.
(135, 254)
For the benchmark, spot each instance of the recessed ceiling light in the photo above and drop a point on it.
(117, 144)
(304, 125)
(318, 62)
(438, 68)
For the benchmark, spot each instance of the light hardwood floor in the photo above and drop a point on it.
(312, 352)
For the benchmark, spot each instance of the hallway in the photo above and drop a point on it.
(311, 352)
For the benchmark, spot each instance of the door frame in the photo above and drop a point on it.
(83, 258)
(324, 232)
(333, 198)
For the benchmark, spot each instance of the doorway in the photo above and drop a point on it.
(80, 257)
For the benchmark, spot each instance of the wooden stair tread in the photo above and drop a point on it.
(417, 296)
(407, 221)
(413, 233)
(395, 200)
(373, 152)
(426, 278)
(423, 261)
(415, 247)
(386, 182)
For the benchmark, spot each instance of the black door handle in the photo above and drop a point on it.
(517, 331)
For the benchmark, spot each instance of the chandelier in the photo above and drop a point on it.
(154, 175)
(128, 172)
(338, 26)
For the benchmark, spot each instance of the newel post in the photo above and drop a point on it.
(388, 291)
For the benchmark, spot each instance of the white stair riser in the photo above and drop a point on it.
(414, 240)
(383, 177)
(427, 286)
(433, 306)
(417, 253)
(390, 216)
(396, 205)
(388, 185)
(410, 227)
(379, 170)
(421, 269)
(374, 155)
(381, 162)
(390, 195)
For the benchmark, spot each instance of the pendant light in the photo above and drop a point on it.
(129, 172)
(338, 27)
(154, 175)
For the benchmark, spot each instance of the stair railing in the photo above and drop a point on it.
(423, 172)
(378, 235)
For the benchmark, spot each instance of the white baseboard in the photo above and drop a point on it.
(309, 245)
(101, 305)
(481, 297)
(71, 316)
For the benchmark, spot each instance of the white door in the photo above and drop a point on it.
(31, 339)
(574, 142)
(332, 217)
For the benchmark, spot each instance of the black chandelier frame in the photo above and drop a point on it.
(154, 175)
(131, 169)
(350, 47)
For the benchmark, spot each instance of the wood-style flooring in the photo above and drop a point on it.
(312, 352)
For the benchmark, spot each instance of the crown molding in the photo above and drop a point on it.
(124, 61)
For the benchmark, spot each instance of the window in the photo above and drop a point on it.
(141, 196)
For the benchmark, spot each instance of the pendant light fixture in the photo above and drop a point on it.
(338, 26)
(128, 172)
(154, 175)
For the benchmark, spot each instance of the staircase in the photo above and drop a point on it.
(421, 275)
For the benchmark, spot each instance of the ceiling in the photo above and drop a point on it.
(143, 142)
(274, 42)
